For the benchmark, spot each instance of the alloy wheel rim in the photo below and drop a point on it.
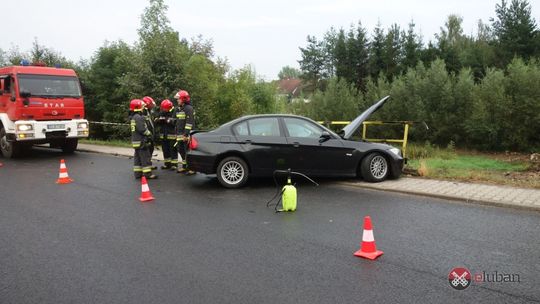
(232, 172)
(378, 167)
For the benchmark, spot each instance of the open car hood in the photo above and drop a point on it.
(348, 131)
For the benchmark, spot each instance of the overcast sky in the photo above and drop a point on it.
(265, 34)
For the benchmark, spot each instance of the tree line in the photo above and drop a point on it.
(479, 90)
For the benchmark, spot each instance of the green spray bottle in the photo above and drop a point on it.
(288, 192)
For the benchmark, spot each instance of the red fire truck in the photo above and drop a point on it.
(40, 105)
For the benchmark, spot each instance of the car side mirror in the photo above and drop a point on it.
(25, 93)
(324, 136)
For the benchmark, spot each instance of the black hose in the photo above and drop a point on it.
(278, 192)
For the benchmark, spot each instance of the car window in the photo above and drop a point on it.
(264, 127)
(241, 129)
(302, 128)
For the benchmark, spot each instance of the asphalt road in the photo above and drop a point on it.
(92, 241)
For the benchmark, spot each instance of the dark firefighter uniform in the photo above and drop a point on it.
(166, 126)
(186, 122)
(149, 121)
(140, 138)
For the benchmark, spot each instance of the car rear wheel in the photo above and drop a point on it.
(232, 172)
(374, 168)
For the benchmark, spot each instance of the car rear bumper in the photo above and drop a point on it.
(201, 163)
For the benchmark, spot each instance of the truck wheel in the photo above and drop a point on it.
(70, 145)
(374, 168)
(232, 172)
(9, 149)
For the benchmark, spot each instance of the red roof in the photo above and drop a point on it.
(290, 86)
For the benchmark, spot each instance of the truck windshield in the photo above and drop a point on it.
(50, 86)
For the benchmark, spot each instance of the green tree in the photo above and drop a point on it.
(376, 52)
(338, 101)
(392, 53)
(106, 96)
(203, 82)
(450, 41)
(163, 55)
(313, 63)
(478, 53)
(412, 46)
(341, 55)
(487, 125)
(288, 72)
(358, 53)
(516, 30)
(522, 88)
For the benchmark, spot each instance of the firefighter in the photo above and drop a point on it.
(166, 126)
(140, 137)
(148, 114)
(185, 123)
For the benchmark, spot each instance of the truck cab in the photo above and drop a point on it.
(40, 105)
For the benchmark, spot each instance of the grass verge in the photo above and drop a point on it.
(463, 165)
(114, 143)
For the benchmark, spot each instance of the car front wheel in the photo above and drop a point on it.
(232, 172)
(374, 168)
(9, 149)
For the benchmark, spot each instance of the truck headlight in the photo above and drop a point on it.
(82, 125)
(396, 151)
(25, 127)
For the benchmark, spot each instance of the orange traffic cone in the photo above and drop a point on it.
(368, 249)
(63, 177)
(146, 195)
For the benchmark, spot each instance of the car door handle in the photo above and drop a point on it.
(247, 141)
(296, 144)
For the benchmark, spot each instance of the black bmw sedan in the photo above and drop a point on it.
(257, 145)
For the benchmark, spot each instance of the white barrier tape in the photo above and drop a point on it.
(108, 123)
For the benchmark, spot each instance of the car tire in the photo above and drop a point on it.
(232, 172)
(8, 149)
(375, 168)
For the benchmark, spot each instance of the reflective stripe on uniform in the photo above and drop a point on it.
(174, 162)
(171, 136)
(181, 115)
(147, 169)
(137, 168)
(147, 132)
(188, 126)
(136, 144)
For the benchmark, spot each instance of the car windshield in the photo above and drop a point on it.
(50, 85)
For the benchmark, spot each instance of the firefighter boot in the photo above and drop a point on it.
(150, 176)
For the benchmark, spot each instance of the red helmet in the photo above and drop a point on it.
(182, 96)
(166, 105)
(136, 105)
(149, 101)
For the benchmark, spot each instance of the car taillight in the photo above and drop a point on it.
(193, 143)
